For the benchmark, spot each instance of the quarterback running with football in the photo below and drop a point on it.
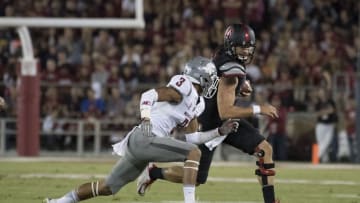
(162, 109)
(230, 61)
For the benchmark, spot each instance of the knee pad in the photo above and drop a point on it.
(265, 169)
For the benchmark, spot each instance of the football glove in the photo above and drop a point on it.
(229, 126)
(146, 127)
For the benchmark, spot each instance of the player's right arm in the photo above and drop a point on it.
(147, 100)
(200, 137)
(172, 93)
(226, 99)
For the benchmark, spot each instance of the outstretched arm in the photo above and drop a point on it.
(226, 99)
(202, 137)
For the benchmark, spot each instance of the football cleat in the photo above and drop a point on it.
(144, 181)
(48, 200)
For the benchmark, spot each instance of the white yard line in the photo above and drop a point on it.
(214, 179)
(172, 201)
(112, 159)
(211, 179)
(165, 201)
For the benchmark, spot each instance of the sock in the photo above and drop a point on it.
(268, 193)
(189, 193)
(156, 173)
(70, 197)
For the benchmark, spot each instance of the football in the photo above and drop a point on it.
(246, 89)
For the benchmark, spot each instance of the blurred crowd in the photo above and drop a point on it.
(302, 46)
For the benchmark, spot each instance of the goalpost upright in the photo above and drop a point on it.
(28, 99)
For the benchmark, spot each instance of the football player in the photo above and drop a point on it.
(230, 61)
(162, 109)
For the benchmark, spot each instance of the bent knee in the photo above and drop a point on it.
(194, 154)
(266, 147)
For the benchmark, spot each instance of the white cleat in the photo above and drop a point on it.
(144, 181)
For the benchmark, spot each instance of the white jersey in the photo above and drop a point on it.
(166, 116)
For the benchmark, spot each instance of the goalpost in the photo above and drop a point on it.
(28, 99)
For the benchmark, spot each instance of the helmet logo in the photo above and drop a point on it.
(228, 32)
(247, 37)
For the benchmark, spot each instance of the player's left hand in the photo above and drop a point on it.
(246, 89)
(146, 127)
(229, 126)
(2, 103)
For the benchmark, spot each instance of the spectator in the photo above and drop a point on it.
(100, 75)
(91, 107)
(103, 42)
(50, 73)
(350, 126)
(52, 129)
(232, 10)
(128, 82)
(276, 129)
(326, 124)
(115, 104)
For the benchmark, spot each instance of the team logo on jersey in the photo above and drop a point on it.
(146, 103)
(247, 36)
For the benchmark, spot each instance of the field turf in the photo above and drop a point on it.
(30, 180)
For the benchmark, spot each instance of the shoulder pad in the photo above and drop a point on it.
(181, 84)
(232, 69)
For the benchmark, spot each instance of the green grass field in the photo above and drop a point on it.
(31, 181)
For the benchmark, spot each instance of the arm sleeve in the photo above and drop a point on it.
(202, 137)
(147, 100)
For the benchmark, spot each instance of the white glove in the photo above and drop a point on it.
(146, 127)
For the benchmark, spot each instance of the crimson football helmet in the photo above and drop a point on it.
(239, 42)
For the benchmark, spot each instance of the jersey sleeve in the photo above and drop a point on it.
(181, 84)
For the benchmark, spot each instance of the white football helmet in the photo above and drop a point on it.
(202, 71)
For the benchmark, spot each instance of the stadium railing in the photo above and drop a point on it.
(82, 130)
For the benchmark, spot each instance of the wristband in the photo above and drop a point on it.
(256, 109)
(146, 101)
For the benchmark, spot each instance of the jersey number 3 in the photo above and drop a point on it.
(180, 82)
